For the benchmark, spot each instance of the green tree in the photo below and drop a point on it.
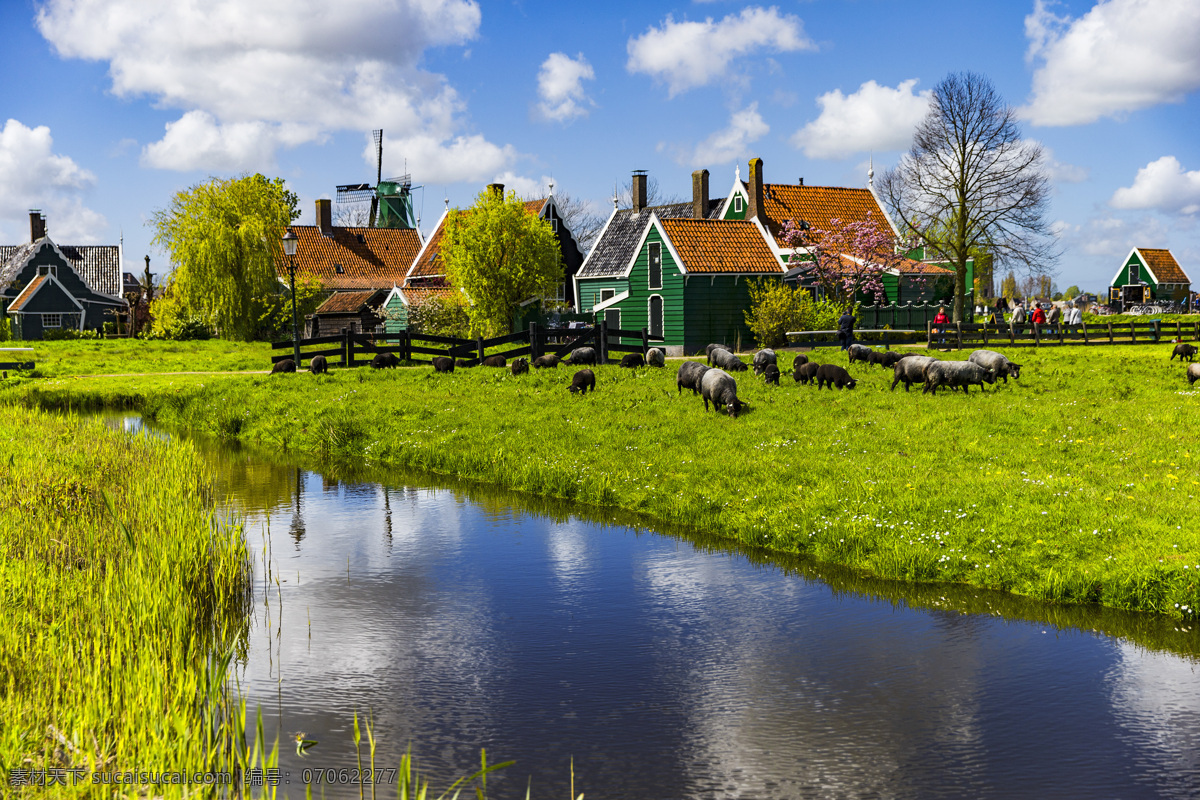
(223, 238)
(500, 255)
(1008, 286)
(1072, 292)
(776, 308)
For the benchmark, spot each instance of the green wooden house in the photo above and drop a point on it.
(1148, 275)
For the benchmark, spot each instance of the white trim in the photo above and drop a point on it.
(543, 214)
(395, 292)
(739, 187)
(424, 245)
(1124, 268)
(588, 257)
(650, 317)
(610, 302)
(649, 261)
(653, 222)
(49, 279)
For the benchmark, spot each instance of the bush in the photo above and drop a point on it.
(440, 315)
(5, 329)
(169, 320)
(65, 334)
(776, 308)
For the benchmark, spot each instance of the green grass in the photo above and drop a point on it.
(119, 356)
(119, 593)
(1073, 484)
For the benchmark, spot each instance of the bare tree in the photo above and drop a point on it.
(352, 215)
(970, 181)
(655, 196)
(583, 223)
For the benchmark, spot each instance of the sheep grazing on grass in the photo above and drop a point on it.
(443, 364)
(384, 361)
(834, 375)
(763, 358)
(956, 374)
(771, 373)
(1193, 373)
(805, 372)
(727, 361)
(799, 359)
(494, 361)
(286, 365)
(548, 361)
(889, 359)
(465, 363)
(998, 363)
(318, 365)
(520, 366)
(581, 355)
(689, 375)
(656, 358)
(1184, 351)
(708, 351)
(859, 352)
(910, 370)
(583, 380)
(633, 360)
(718, 387)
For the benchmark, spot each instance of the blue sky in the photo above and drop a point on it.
(110, 106)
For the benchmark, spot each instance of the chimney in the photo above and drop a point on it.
(802, 181)
(639, 190)
(700, 194)
(37, 225)
(755, 210)
(496, 189)
(325, 216)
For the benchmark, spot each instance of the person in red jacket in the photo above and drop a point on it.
(940, 321)
(1037, 316)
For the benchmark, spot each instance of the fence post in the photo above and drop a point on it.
(1012, 334)
(985, 333)
(928, 335)
(1110, 333)
(1132, 333)
(1157, 330)
(534, 351)
(958, 328)
(645, 343)
(406, 345)
(347, 352)
(1083, 327)
(603, 332)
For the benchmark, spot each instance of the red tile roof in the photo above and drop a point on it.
(431, 264)
(370, 258)
(418, 294)
(350, 302)
(1164, 266)
(714, 245)
(26, 293)
(818, 206)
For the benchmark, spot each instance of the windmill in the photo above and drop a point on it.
(391, 199)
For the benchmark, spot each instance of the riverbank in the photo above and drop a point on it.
(118, 589)
(1071, 484)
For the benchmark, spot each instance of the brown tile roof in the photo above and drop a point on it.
(818, 206)
(379, 261)
(431, 264)
(350, 302)
(715, 245)
(419, 294)
(1164, 266)
(911, 267)
(26, 293)
(535, 206)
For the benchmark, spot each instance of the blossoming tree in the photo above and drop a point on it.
(848, 259)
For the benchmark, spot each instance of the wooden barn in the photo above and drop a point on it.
(360, 312)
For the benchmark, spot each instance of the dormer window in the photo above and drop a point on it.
(48, 269)
(361, 239)
(338, 269)
(737, 204)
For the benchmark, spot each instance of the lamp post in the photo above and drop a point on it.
(289, 248)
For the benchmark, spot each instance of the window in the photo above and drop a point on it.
(737, 204)
(607, 294)
(656, 315)
(554, 225)
(613, 317)
(338, 269)
(51, 320)
(48, 270)
(654, 278)
(1133, 273)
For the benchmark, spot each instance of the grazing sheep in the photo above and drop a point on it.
(656, 358)
(998, 363)
(727, 361)
(465, 363)
(520, 366)
(443, 364)
(718, 387)
(317, 365)
(583, 380)
(689, 375)
(859, 352)
(495, 361)
(888, 359)
(384, 361)
(581, 355)
(1193, 373)
(708, 351)
(762, 358)
(633, 360)
(1184, 351)
(800, 359)
(286, 365)
(805, 372)
(548, 361)
(911, 370)
(834, 376)
(955, 374)
(771, 373)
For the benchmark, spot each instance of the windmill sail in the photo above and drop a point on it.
(391, 199)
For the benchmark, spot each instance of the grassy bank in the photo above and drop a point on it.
(1073, 484)
(119, 356)
(118, 586)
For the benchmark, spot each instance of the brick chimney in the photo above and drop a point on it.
(700, 194)
(37, 225)
(755, 203)
(497, 189)
(325, 216)
(639, 190)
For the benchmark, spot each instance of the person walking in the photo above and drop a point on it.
(1018, 317)
(845, 332)
(940, 321)
(1053, 318)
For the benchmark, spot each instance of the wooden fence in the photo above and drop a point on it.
(16, 365)
(974, 334)
(349, 349)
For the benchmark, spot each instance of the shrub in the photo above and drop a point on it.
(776, 308)
(440, 315)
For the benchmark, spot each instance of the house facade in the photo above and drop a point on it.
(1149, 274)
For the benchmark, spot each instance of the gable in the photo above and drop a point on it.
(44, 294)
(622, 237)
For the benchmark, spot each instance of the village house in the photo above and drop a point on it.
(1149, 275)
(46, 286)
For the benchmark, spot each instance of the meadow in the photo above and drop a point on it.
(1073, 484)
(119, 356)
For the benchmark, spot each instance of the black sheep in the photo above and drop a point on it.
(771, 373)
(317, 365)
(549, 361)
(1184, 351)
(443, 364)
(689, 375)
(583, 380)
(384, 361)
(800, 359)
(834, 376)
(633, 360)
(520, 366)
(465, 363)
(581, 355)
(286, 365)
(708, 351)
(494, 361)
(805, 372)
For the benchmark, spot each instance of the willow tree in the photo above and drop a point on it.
(223, 239)
(500, 255)
(970, 183)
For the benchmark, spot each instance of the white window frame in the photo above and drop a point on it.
(650, 265)
(737, 204)
(662, 317)
(47, 323)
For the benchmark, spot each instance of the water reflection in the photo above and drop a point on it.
(668, 667)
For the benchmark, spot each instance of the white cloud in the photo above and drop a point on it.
(875, 118)
(1110, 238)
(1121, 56)
(730, 143)
(33, 176)
(686, 55)
(463, 158)
(1162, 185)
(251, 78)
(523, 186)
(560, 85)
(1062, 172)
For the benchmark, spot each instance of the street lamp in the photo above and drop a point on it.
(289, 248)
